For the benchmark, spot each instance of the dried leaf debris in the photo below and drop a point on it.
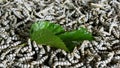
(101, 17)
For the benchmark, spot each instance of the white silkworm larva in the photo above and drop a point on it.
(25, 59)
(30, 45)
(30, 53)
(2, 65)
(24, 49)
(11, 56)
(71, 58)
(35, 46)
(40, 61)
(16, 43)
(22, 65)
(3, 47)
(4, 54)
(115, 41)
(62, 63)
(77, 55)
(78, 65)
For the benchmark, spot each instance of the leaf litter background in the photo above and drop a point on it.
(101, 17)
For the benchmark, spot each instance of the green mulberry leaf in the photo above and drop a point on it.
(54, 28)
(48, 33)
(46, 37)
(76, 35)
(43, 32)
(70, 45)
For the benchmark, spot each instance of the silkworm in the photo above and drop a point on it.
(113, 24)
(90, 58)
(117, 58)
(115, 41)
(11, 56)
(110, 13)
(116, 47)
(104, 62)
(42, 51)
(18, 24)
(24, 49)
(30, 45)
(97, 5)
(45, 66)
(5, 22)
(115, 66)
(78, 65)
(103, 33)
(48, 49)
(2, 65)
(40, 61)
(71, 58)
(116, 32)
(22, 65)
(8, 40)
(61, 59)
(53, 55)
(77, 55)
(82, 47)
(100, 17)
(35, 46)
(61, 63)
(4, 46)
(2, 42)
(100, 46)
(14, 37)
(16, 43)
(25, 12)
(5, 53)
(18, 50)
(17, 13)
(117, 51)
(30, 54)
(25, 59)
(28, 6)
